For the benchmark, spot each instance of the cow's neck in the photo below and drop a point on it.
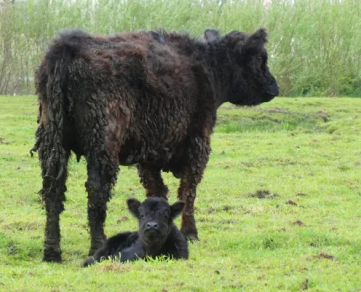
(152, 249)
(220, 68)
(158, 247)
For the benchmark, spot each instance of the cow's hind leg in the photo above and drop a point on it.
(102, 173)
(151, 178)
(53, 194)
(194, 163)
(103, 138)
(187, 193)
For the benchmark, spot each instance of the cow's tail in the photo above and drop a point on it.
(54, 104)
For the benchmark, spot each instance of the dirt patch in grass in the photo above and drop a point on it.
(291, 202)
(298, 222)
(277, 110)
(115, 267)
(304, 285)
(124, 218)
(227, 208)
(211, 210)
(263, 194)
(3, 141)
(21, 226)
(323, 255)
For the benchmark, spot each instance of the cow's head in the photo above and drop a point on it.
(155, 217)
(245, 57)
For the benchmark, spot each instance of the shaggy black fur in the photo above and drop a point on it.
(148, 99)
(157, 234)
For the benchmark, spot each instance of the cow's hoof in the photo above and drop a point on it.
(52, 255)
(92, 252)
(192, 238)
(88, 262)
(190, 235)
(96, 243)
(55, 258)
(93, 249)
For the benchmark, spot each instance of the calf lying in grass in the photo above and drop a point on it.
(157, 234)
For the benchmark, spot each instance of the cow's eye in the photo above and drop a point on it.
(141, 216)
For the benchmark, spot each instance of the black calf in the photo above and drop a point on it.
(157, 234)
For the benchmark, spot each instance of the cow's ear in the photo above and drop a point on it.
(254, 44)
(133, 207)
(176, 209)
(211, 34)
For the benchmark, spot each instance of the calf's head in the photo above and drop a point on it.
(155, 217)
(244, 58)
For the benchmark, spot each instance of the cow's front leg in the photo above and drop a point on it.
(102, 174)
(194, 163)
(151, 178)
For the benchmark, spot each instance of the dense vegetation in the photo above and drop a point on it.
(278, 209)
(315, 46)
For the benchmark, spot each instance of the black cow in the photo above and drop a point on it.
(148, 99)
(157, 234)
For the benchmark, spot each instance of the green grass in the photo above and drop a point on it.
(306, 150)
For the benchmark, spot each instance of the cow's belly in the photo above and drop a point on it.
(165, 157)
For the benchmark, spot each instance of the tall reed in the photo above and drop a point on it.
(315, 45)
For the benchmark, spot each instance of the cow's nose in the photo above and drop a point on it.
(152, 225)
(273, 89)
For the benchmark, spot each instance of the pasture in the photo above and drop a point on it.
(279, 208)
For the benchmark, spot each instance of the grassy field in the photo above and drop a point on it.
(279, 208)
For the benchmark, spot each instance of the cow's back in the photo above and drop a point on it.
(165, 107)
(146, 92)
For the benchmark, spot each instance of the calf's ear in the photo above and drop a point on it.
(133, 207)
(211, 34)
(176, 209)
(254, 44)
